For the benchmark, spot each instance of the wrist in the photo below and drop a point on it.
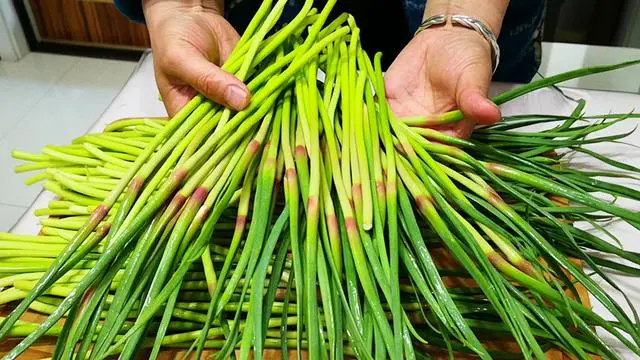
(153, 7)
(490, 12)
(439, 37)
(211, 5)
(158, 13)
(464, 37)
(447, 33)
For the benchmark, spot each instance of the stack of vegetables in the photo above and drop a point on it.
(318, 222)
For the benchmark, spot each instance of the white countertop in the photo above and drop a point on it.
(139, 97)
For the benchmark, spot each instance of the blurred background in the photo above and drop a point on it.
(576, 33)
(63, 62)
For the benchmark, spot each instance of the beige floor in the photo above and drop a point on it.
(48, 99)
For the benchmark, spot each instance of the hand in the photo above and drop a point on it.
(442, 69)
(190, 39)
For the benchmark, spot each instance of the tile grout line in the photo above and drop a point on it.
(13, 205)
(23, 211)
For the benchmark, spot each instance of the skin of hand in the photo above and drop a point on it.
(445, 68)
(190, 39)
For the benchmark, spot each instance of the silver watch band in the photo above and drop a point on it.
(471, 23)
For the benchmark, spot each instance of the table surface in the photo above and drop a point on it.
(139, 97)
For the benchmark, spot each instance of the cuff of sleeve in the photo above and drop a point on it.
(131, 9)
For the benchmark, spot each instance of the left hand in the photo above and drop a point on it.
(442, 69)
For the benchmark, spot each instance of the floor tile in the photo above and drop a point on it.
(24, 83)
(13, 190)
(99, 74)
(9, 215)
(68, 110)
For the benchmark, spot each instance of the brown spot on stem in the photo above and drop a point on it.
(199, 195)
(496, 259)
(422, 201)
(88, 294)
(312, 206)
(380, 188)
(527, 268)
(179, 175)
(301, 150)
(212, 288)
(292, 180)
(241, 221)
(176, 203)
(291, 177)
(351, 226)
(103, 230)
(276, 185)
(136, 184)
(356, 189)
(494, 199)
(280, 294)
(493, 167)
(253, 146)
(98, 214)
(559, 200)
(202, 214)
(332, 224)
(86, 297)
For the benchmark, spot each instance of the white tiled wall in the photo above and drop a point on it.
(48, 99)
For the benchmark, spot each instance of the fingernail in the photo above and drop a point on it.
(236, 97)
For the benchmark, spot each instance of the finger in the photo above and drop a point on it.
(471, 96)
(228, 41)
(208, 79)
(174, 97)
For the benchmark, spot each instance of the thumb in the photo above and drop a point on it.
(211, 81)
(471, 96)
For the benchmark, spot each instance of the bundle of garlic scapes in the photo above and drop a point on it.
(314, 220)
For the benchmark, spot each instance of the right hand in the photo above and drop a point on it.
(190, 39)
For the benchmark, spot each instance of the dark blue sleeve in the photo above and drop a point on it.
(131, 9)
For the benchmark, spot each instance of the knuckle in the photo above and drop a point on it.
(208, 84)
